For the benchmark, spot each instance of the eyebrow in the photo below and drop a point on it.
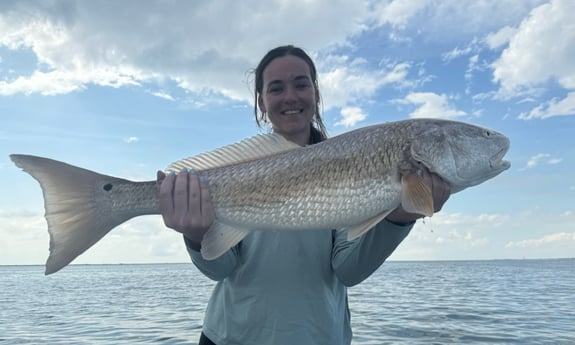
(299, 77)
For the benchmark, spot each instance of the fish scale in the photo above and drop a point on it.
(350, 182)
(316, 187)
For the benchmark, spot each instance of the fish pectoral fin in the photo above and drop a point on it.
(364, 227)
(416, 196)
(219, 239)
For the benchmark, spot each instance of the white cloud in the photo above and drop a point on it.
(130, 140)
(500, 38)
(472, 66)
(547, 240)
(398, 13)
(163, 95)
(455, 53)
(20, 223)
(490, 236)
(350, 116)
(542, 49)
(534, 161)
(465, 240)
(431, 105)
(432, 20)
(464, 221)
(344, 85)
(538, 158)
(146, 236)
(61, 82)
(346, 81)
(554, 161)
(473, 47)
(453, 235)
(554, 107)
(78, 43)
(23, 233)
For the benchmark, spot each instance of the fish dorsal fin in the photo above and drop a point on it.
(362, 228)
(219, 239)
(416, 196)
(249, 149)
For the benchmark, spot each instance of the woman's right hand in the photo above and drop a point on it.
(186, 205)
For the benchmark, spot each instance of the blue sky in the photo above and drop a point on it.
(125, 88)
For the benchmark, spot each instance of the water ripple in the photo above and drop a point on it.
(412, 303)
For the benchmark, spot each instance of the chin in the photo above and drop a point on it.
(295, 128)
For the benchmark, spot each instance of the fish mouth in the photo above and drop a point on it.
(497, 162)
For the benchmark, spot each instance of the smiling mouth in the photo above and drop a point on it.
(292, 112)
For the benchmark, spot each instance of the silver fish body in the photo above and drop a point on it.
(349, 182)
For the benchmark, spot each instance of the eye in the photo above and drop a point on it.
(275, 90)
(487, 133)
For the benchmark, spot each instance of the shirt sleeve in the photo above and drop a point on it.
(216, 269)
(354, 261)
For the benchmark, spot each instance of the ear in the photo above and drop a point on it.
(261, 104)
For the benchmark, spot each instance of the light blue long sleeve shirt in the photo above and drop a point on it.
(290, 287)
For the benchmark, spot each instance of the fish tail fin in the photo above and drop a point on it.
(77, 217)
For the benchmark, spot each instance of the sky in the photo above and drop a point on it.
(125, 88)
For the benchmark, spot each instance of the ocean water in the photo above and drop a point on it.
(445, 302)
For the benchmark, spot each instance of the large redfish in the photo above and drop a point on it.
(349, 182)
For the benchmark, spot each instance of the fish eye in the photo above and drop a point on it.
(487, 133)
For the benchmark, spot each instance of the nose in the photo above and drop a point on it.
(290, 95)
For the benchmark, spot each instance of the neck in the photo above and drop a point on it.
(300, 138)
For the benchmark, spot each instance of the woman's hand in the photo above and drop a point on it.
(186, 205)
(440, 191)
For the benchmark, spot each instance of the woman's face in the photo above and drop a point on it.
(289, 97)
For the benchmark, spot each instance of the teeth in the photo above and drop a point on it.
(289, 112)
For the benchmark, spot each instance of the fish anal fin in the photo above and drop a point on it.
(219, 239)
(416, 196)
(362, 228)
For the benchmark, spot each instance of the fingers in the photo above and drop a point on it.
(200, 212)
(166, 198)
(184, 210)
(185, 203)
(208, 213)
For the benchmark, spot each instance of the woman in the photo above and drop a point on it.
(283, 287)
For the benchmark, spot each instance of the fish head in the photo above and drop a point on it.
(464, 155)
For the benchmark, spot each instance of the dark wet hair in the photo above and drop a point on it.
(318, 131)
